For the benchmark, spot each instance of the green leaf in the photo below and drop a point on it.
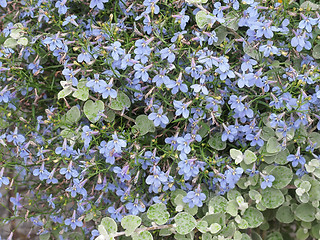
(45, 236)
(251, 51)
(109, 224)
(201, 19)
(23, 41)
(216, 143)
(272, 198)
(306, 212)
(144, 124)
(122, 101)
(275, 236)
(243, 224)
(273, 145)
(302, 234)
(281, 157)
(231, 20)
(283, 176)
(158, 212)
(221, 33)
(185, 223)
(255, 195)
(202, 226)
(309, 5)
(165, 232)
(249, 157)
(232, 208)
(236, 155)
(81, 93)
(110, 115)
(214, 228)
(315, 231)
(285, 215)
(130, 223)
(16, 33)
(217, 204)
(73, 115)
(229, 230)
(145, 235)
(206, 236)
(64, 92)
(233, 194)
(92, 109)
(253, 216)
(10, 43)
(315, 138)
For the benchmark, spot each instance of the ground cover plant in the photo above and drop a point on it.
(160, 119)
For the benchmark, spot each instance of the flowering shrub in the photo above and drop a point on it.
(154, 119)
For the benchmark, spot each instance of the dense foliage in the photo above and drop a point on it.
(160, 119)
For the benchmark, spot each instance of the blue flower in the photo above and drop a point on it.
(184, 143)
(69, 171)
(3, 180)
(61, 5)
(181, 108)
(15, 137)
(158, 118)
(307, 23)
(177, 85)
(296, 159)
(98, 3)
(41, 172)
(3, 3)
(195, 198)
(267, 181)
(169, 53)
(268, 49)
(116, 143)
(73, 222)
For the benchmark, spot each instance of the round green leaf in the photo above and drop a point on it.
(145, 235)
(109, 224)
(285, 215)
(10, 43)
(309, 5)
(144, 124)
(216, 143)
(253, 216)
(272, 198)
(283, 176)
(249, 157)
(81, 93)
(315, 231)
(267, 133)
(64, 92)
(236, 155)
(185, 223)
(158, 212)
(130, 223)
(275, 236)
(122, 101)
(73, 115)
(16, 33)
(232, 208)
(214, 228)
(23, 41)
(301, 234)
(314, 192)
(306, 212)
(315, 138)
(273, 145)
(201, 19)
(92, 109)
(202, 226)
(281, 157)
(217, 204)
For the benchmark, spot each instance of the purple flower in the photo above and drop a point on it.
(181, 108)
